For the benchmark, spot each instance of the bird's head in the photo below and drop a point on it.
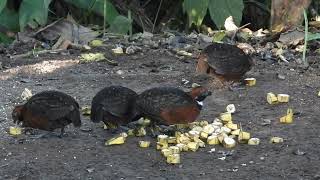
(199, 93)
(17, 114)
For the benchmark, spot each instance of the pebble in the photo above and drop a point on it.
(281, 76)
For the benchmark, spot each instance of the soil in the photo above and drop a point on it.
(83, 155)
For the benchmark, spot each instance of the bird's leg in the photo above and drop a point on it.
(62, 134)
(42, 135)
(47, 134)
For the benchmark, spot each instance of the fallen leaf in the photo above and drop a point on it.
(67, 29)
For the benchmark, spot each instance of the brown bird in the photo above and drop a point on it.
(48, 110)
(114, 106)
(225, 61)
(170, 105)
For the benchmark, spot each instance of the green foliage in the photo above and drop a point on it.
(120, 25)
(313, 36)
(9, 19)
(5, 39)
(33, 13)
(304, 60)
(196, 10)
(219, 10)
(97, 7)
(2, 4)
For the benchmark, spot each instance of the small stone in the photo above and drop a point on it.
(235, 169)
(90, 170)
(212, 150)
(146, 35)
(299, 153)
(120, 72)
(26, 94)
(266, 122)
(133, 49)
(117, 50)
(25, 80)
(281, 76)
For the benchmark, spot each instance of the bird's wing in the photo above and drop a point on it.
(52, 107)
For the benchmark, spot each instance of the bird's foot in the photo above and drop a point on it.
(47, 135)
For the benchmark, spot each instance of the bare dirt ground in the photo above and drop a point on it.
(83, 155)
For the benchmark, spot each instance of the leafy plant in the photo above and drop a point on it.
(117, 23)
(96, 6)
(3, 4)
(307, 37)
(313, 36)
(33, 13)
(219, 10)
(196, 10)
(5, 39)
(9, 19)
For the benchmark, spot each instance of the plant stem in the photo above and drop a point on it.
(130, 18)
(155, 19)
(104, 16)
(305, 62)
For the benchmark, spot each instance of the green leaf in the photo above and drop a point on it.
(33, 13)
(2, 4)
(221, 9)
(120, 25)
(9, 19)
(313, 36)
(97, 7)
(5, 39)
(217, 37)
(196, 10)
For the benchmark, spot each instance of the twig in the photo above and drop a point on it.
(146, 3)
(241, 27)
(4, 165)
(305, 39)
(155, 19)
(104, 16)
(142, 25)
(238, 29)
(35, 53)
(130, 18)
